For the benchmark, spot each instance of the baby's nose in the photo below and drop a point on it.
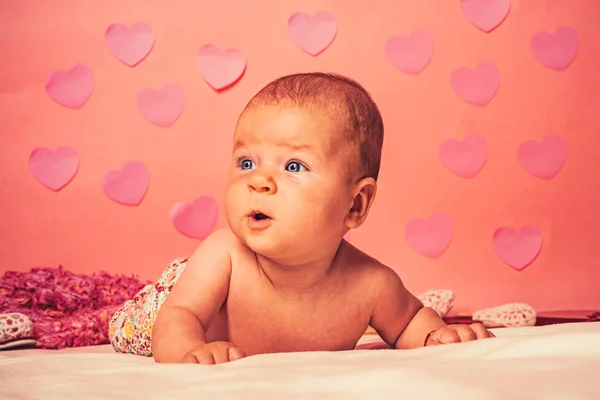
(262, 184)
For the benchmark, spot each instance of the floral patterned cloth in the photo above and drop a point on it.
(130, 329)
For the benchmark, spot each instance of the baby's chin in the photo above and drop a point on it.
(265, 244)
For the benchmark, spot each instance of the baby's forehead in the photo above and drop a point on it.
(287, 125)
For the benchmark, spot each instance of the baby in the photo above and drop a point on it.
(281, 277)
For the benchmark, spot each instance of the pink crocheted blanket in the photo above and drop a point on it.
(67, 309)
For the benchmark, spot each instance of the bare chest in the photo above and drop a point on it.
(260, 323)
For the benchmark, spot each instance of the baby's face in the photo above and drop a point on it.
(289, 186)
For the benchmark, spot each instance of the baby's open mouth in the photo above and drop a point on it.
(259, 216)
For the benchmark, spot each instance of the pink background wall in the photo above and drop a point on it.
(81, 228)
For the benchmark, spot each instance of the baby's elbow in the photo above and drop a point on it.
(161, 353)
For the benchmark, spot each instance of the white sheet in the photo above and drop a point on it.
(550, 362)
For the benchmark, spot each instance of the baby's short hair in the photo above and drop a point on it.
(337, 94)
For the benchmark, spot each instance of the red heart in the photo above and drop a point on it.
(429, 238)
(220, 69)
(517, 248)
(54, 169)
(485, 14)
(544, 159)
(313, 34)
(464, 158)
(557, 50)
(196, 220)
(127, 186)
(72, 88)
(162, 107)
(130, 45)
(411, 54)
(477, 86)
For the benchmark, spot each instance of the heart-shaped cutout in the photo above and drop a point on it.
(543, 159)
(54, 169)
(487, 15)
(555, 51)
(410, 54)
(130, 45)
(161, 107)
(313, 34)
(477, 86)
(127, 186)
(196, 220)
(517, 248)
(220, 69)
(71, 88)
(429, 237)
(464, 158)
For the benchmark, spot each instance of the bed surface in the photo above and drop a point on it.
(545, 362)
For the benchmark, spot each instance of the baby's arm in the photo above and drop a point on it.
(404, 323)
(396, 311)
(194, 301)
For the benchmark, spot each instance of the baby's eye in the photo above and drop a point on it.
(295, 166)
(246, 163)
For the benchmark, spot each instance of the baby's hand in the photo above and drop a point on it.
(214, 353)
(458, 333)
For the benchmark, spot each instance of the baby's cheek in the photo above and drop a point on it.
(234, 199)
(319, 199)
(326, 203)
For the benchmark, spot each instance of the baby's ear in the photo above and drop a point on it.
(364, 194)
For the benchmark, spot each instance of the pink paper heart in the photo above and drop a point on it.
(431, 237)
(161, 107)
(130, 45)
(517, 248)
(557, 50)
(196, 220)
(72, 88)
(485, 14)
(411, 54)
(464, 158)
(220, 69)
(477, 86)
(54, 169)
(543, 159)
(313, 34)
(127, 186)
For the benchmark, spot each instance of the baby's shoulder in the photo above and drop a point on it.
(221, 241)
(369, 272)
(223, 236)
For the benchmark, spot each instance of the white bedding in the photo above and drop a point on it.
(550, 362)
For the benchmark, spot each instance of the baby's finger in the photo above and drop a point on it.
(445, 336)
(466, 333)
(235, 353)
(481, 331)
(189, 359)
(220, 354)
(205, 358)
